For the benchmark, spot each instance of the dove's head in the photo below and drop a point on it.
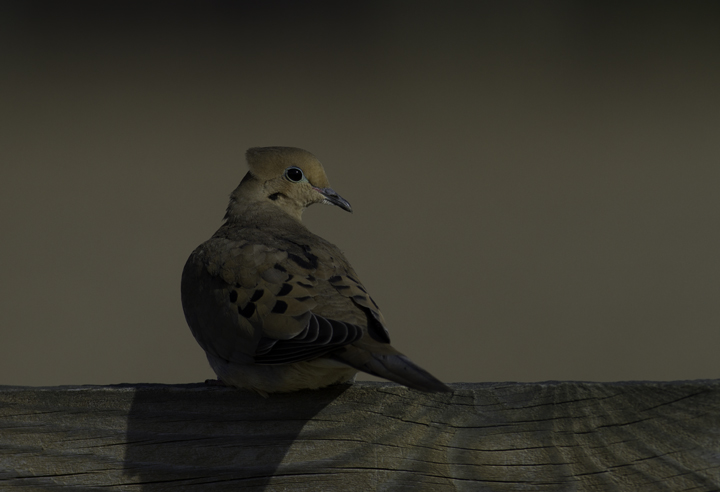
(287, 177)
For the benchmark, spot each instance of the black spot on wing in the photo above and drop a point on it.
(257, 295)
(309, 262)
(278, 266)
(285, 290)
(248, 310)
(233, 296)
(280, 307)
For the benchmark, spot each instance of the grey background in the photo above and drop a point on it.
(535, 184)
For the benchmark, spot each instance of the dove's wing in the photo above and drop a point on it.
(251, 303)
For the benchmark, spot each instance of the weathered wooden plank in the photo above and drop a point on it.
(370, 436)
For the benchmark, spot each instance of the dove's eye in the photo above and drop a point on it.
(294, 174)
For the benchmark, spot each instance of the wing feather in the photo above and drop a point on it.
(320, 337)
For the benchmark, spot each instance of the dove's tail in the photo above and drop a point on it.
(395, 367)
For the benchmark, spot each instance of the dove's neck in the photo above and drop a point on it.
(249, 213)
(249, 220)
(249, 203)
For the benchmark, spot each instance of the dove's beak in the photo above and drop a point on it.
(333, 198)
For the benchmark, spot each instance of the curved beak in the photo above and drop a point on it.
(333, 198)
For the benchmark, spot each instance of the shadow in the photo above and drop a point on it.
(207, 438)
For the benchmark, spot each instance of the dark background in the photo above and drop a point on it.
(535, 184)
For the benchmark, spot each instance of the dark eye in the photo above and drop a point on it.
(294, 174)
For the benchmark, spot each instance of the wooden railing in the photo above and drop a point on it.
(551, 436)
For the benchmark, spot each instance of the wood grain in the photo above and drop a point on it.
(552, 436)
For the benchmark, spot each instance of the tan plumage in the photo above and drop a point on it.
(277, 308)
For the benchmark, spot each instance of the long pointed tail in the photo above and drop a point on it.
(395, 367)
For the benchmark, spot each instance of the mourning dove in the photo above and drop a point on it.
(277, 308)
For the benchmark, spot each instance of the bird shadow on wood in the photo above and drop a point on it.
(208, 438)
